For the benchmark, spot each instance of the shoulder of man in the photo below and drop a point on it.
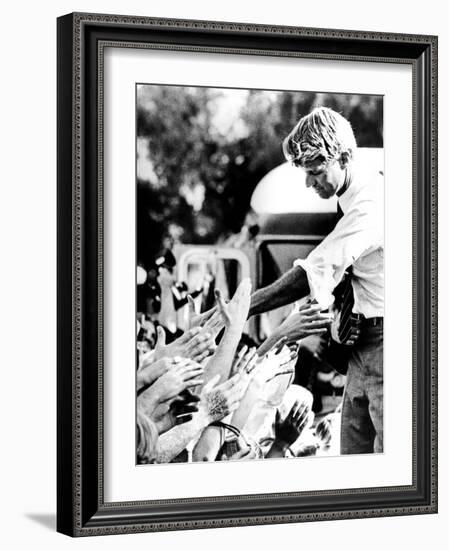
(368, 183)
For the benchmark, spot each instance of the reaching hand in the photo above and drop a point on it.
(176, 411)
(280, 360)
(185, 405)
(308, 320)
(184, 374)
(217, 402)
(245, 360)
(224, 314)
(151, 371)
(219, 318)
(235, 313)
(194, 344)
(198, 319)
(288, 430)
(273, 346)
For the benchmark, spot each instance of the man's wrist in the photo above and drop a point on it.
(155, 394)
(201, 419)
(256, 302)
(233, 331)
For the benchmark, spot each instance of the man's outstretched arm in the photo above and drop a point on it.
(290, 287)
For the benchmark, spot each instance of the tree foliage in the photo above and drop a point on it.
(203, 150)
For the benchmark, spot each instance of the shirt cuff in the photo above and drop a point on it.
(321, 283)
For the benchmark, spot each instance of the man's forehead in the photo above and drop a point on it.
(315, 164)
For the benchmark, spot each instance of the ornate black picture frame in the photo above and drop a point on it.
(81, 510)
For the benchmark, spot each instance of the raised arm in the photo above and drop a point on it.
(287, 431)
(290, 287)
(215, 403)
(167, 314)
(235, 314)
(174, 441)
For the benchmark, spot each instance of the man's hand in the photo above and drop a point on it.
(231, 314)
(245, 360)
(184, 374)
(198, 319)
(227, 314)
(270, 346)
(176, 411)
(153, 370)
(194, 344)
(287, 431)
(216, 402)
(308, 320)
(220, 317)
(236, 312)
(278, 361)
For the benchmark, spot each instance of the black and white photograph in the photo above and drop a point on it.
(260, 274)
(221, 254)
(247, 273)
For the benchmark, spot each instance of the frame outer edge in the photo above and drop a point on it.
(243, 27)
(434, 269)
(65, 370)
(69, 439)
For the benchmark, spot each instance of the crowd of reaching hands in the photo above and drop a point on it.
(207, 395)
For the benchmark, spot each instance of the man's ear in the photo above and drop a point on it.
(345, 159)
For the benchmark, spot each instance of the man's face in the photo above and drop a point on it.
(325, 178)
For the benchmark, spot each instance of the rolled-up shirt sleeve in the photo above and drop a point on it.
(357, 233)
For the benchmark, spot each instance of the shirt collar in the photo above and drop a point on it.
(346, 183)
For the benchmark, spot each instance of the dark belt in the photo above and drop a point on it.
(371, 321)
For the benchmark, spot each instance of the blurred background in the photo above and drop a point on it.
(201, 153)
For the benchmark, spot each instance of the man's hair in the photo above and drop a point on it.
(321, 135)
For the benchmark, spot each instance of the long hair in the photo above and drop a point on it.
(147, 437)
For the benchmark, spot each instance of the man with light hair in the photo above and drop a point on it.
(323, 145)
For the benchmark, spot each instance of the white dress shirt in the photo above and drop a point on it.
(357, 240)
